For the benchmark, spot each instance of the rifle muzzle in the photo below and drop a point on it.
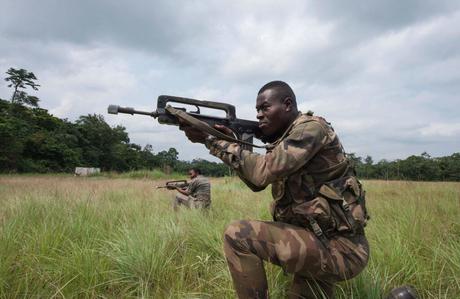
(114, 109)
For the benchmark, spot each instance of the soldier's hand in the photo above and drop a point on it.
(225, 130)
(194, 135)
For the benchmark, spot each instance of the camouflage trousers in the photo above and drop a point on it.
(189, 202)
(316, 268)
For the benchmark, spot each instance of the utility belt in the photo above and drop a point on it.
(337, 208)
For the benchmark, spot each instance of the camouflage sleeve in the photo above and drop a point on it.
(258, 171)
(191, 187)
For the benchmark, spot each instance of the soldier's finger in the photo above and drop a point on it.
(224, 129)
(195, 136)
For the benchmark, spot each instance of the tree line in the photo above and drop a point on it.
(32, 140)
(415, 168)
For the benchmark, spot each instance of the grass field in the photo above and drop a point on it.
(67, 237)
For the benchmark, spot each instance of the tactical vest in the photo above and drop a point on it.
(327, 201)
(200, 188)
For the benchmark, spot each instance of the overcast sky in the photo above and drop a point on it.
(386, 74)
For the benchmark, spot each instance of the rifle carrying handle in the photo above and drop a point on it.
(229, 109)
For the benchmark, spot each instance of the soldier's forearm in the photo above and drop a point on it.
(182, 191)
(250, 166)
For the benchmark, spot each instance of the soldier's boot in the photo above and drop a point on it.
(303, 288)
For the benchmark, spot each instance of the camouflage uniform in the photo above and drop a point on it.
(199, 191)
(318, 212)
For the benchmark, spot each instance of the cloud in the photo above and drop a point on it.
(450, 130)
(264, 47)
(83, 79)
(386, 74)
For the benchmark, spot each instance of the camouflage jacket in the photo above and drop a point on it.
(308, 155)
(200, 188)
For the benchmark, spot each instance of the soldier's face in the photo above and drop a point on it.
(273, 114)
(192, 174)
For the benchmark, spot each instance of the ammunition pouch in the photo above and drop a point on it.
(337, 209)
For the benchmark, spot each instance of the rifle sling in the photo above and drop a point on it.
(203, 126)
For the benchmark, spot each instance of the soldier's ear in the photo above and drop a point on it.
(287, 102)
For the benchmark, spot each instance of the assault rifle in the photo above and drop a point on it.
(171, 185)
(244, 129)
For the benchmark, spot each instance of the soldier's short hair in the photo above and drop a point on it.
(196, 170)
(282, 88)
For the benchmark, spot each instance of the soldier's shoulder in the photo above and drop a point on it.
(312, 121)
(306, 125)
(309, 117)
(202, 178)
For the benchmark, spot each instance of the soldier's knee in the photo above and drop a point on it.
(239, 231)
(232, 239)
(231, 229)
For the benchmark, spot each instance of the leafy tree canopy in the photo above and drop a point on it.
(19, 79)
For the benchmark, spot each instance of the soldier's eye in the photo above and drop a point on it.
(263, 109)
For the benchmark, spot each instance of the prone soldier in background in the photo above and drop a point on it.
(318, 210)
(196, 195)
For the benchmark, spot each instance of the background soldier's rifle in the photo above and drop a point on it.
(244, 129)
(171, 185)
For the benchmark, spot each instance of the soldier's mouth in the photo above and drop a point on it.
(263, 125)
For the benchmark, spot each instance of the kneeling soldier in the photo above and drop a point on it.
(318, 209)
(196, 195)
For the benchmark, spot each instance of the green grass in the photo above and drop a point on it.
(155, 174)
(64, 237)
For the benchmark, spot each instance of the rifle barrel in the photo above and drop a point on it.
(114, 109)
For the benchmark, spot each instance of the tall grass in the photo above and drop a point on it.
(64, 237)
